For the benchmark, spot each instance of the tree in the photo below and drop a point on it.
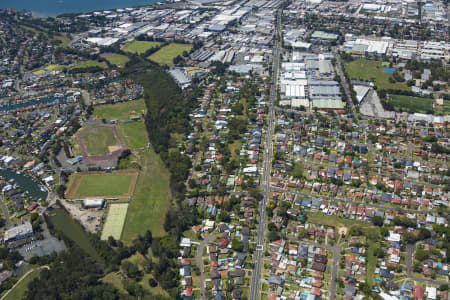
(237, 245)
(273, 236)
(378, 221)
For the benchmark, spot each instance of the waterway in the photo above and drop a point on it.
(45, 8)
(25, 182)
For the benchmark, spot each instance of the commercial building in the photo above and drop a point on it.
(19, 232)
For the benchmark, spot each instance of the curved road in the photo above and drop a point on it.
(22, 278)
(199, 258)
(410, 249)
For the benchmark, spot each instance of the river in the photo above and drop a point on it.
(25, 182)
(45, 8)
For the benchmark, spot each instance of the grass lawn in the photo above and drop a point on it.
(19, 291)
(372, 70)
(140, 47)
(69, 227)
(412, 104)
(446, 106)
(90, 63)
(371, 261)
(151, 199)
(166, 54)
(49, 68)
(98, 140)
(319, 218)
(119, 111)
(64, 40)
(134, 134)
(104, 185)
(118, 60)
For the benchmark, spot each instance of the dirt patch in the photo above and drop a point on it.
(114, 148)
(342, 230)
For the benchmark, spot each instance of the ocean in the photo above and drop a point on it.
(45, 8)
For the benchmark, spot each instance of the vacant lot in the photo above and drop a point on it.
(412, 104)
(99, 140)
(151, 199)
(140, 47)
(372, 70)
(120, 111)
(89, 64)
(118, 60)
(49, 68)
(118, 184)
(114, 221)
(165, 55)
(63, 223)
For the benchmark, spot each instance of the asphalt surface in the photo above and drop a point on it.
(199, 259)
(336, 249)
(410, 249)
(335, 199)
(265, 183)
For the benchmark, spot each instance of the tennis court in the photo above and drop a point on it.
(115, 221)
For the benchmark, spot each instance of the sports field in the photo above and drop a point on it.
(118, 60)
(120, 111)
(134, 134)
(100, 141)
(119, 184)
(114, 221)
(151, 199)
(412, 104)
(372, 70)
(165, 55)
(140, 47)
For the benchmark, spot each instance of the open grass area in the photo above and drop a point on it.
(120, 111)
(98, 141)
(165, 55)
(19, 291)
(371, 261)
(140, 47)
(134, 134)
(147, 209)
(118, 60)
(372, 70)
(63, 223)
(89, 64)
(320, 218)
(114, 221)
(49, 68)
(412, 104)
(104, 185)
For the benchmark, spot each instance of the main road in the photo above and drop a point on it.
(265, 183)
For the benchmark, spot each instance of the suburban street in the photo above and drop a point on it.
(265, 183)
(199, 259)
(410, 250)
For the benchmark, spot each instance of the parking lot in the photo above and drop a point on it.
(89, 218)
